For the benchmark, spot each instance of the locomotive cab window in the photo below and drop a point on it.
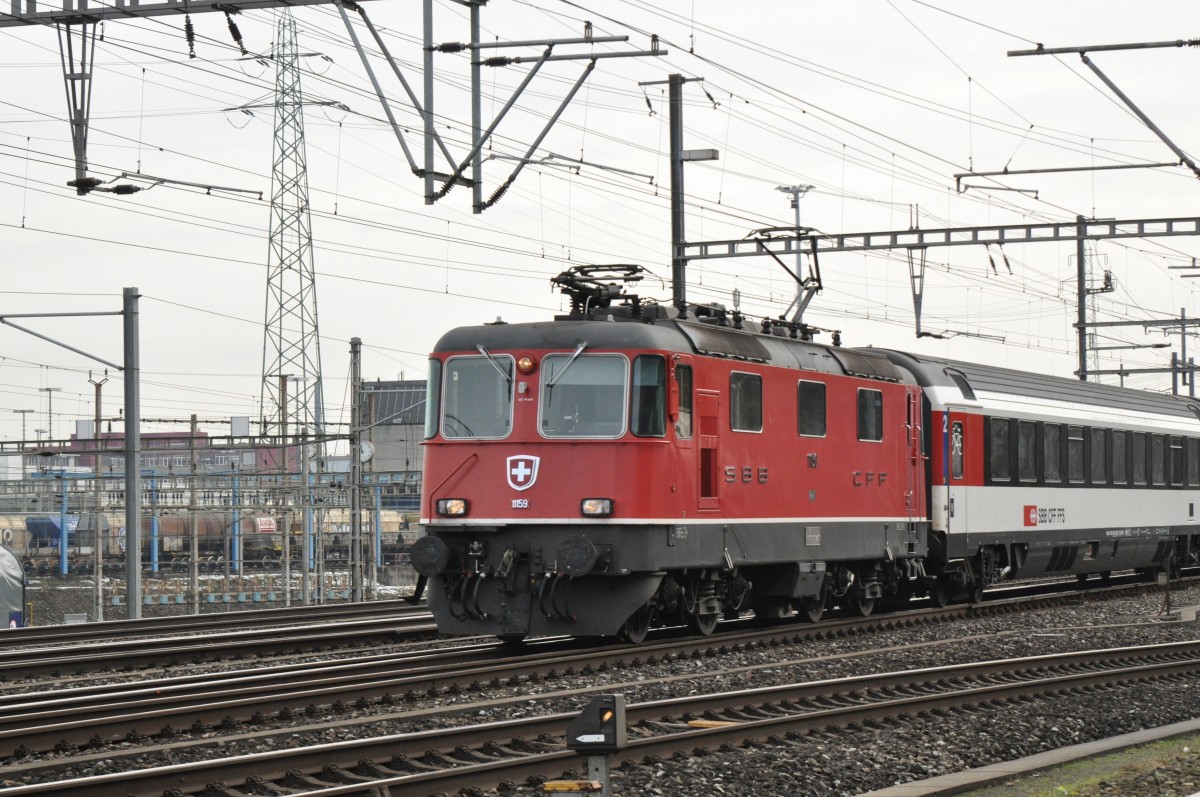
(745, 402)
(648, 401)
(433, 397)
(811, 409)
(870, 415)
(583, 395)
(478, 397)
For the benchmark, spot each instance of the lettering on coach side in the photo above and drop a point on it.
(1034, 515)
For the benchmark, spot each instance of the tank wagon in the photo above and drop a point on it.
(627, 465)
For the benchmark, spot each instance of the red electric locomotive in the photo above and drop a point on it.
(629, 465)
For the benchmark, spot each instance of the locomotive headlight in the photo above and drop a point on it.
(596, 507)
(452, 507)
(526, 363)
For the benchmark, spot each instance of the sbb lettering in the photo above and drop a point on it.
(747, 474)
(869, 478)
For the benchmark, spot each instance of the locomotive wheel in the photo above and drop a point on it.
(703, 624)
(939, 593)
(861, 607)
(811, 609)
(638, 625)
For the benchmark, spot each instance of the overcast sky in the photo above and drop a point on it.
(875, 103)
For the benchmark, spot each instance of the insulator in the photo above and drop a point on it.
(125, 189)
(498, 60)
(189, 33)
(587, 29)
(235, 33)
(451, 47)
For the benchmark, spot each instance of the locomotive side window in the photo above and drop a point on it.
(999, 449)
(1193, 462)
(1139, 457)
(1052, 453)
(745, 402)
(1120, 457)
(583, 396)
(478, 397)
(1175, 462)
(870, 415)
(811, 409)
(1027, 451)
(683, 425)
(433, 397)
(1158, 462)
(1099, 454)
(648, 401)
(1075, 453)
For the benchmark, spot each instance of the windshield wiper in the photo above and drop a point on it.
(507, 376)
(570, 361)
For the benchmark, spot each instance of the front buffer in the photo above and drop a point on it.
(542, 582)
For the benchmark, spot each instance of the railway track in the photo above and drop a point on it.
(35, 662)
(448, 759)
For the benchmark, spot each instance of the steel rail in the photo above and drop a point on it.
(474, 756)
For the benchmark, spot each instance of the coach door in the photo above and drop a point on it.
(708, 417)
(914, 469)
(953, 477)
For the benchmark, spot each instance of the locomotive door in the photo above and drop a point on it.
(708, 416)
(954, 442)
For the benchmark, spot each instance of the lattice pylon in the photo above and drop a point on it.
(291, 375)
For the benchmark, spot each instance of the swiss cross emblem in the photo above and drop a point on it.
(1031, 515)
(522, 471)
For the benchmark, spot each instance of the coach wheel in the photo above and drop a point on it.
(811, 609)
(768, 610)
(1106, 576)
(977, 590)
(1081, 578)
(703, 624)
(511, 639)
(638, 625)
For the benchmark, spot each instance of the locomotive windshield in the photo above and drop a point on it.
(478, 397)
(583, 396)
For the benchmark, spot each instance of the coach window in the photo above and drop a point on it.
(870, 415)
(1139, 457)
(1120, 457)
(811, 409)
(683, 378)
(1099, 455)
(1075, 454)
(1193, 462)
(1158, 462)
(648, 401)
(999, 459)
(745, 402)
(956, 450)
(1175, 462)
(1027, 451)
(1052, 453)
